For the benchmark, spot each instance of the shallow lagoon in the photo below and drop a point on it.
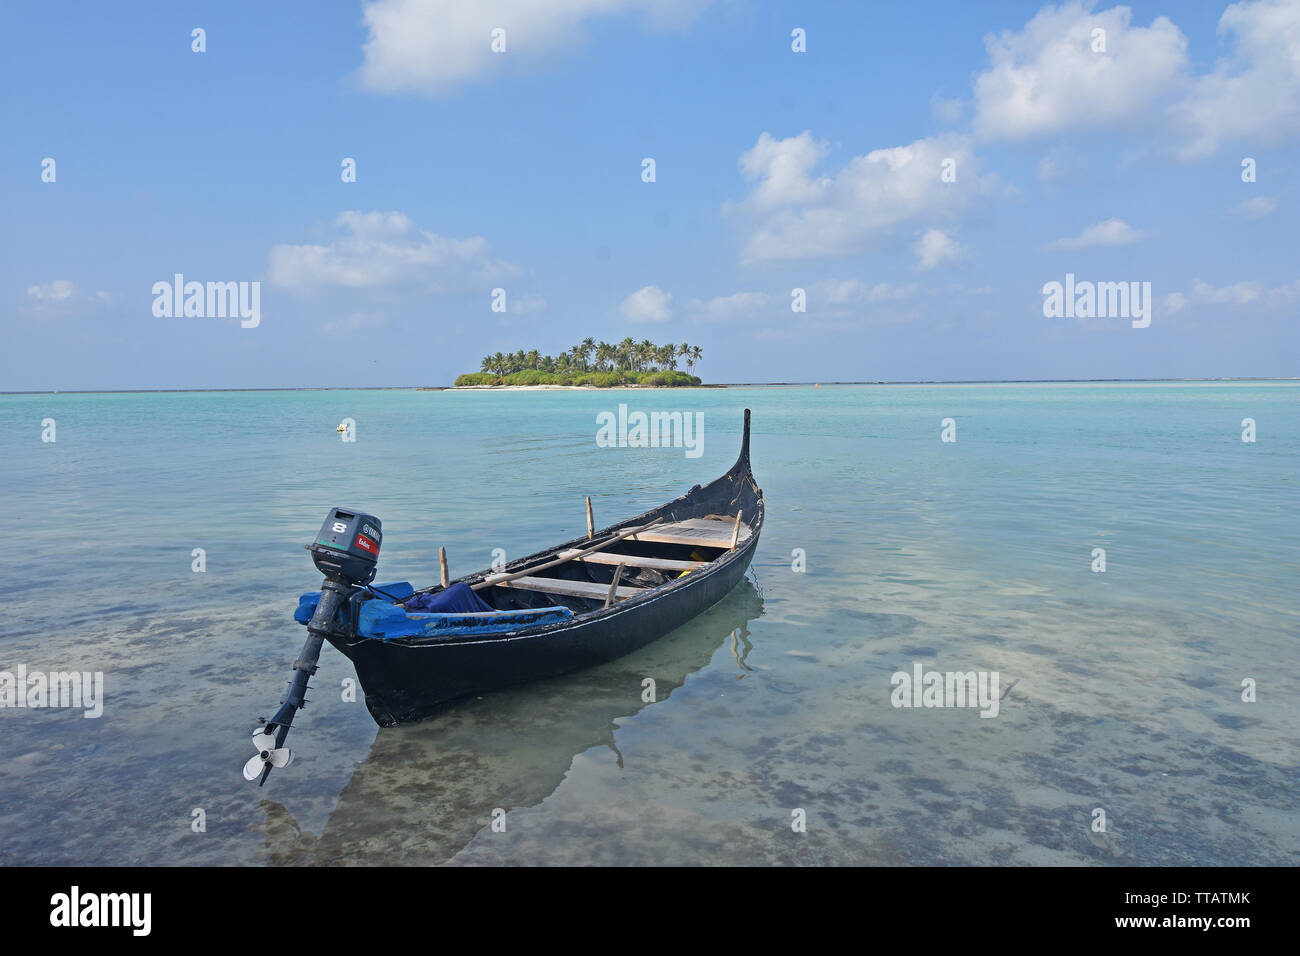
(1125, 686)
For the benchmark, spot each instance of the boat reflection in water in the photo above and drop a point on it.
(427, 788)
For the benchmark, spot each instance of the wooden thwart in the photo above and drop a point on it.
(583, 589)
(632, 560)
(493, 579)
(720, 533)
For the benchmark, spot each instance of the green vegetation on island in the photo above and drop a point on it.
(598, 364)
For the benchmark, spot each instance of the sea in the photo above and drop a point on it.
(1116, 563)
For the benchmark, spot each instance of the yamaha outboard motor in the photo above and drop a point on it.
(346, 551)
(347, 547)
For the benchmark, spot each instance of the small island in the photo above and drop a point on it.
(590, 364)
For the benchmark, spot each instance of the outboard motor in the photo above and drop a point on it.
(347, 547)
(346, 551)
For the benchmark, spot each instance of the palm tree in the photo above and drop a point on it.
(590, 355)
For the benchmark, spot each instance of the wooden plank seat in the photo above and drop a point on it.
(705, 532)
(631, 560)
(582, 589)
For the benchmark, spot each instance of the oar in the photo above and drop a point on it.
(574, 556)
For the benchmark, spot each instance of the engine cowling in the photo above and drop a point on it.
(347, 546)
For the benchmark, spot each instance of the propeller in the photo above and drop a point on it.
(268, 755)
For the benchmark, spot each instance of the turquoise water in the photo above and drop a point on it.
(1125, 686)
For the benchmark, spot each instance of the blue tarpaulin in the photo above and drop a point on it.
(459, 598)
(384, 621)
(454, 612)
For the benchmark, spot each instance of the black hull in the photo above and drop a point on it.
(408, 679)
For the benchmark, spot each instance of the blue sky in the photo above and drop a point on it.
(522, 170)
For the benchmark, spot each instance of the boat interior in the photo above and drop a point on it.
(616, 566)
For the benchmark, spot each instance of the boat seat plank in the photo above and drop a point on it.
(582, 589)
(709, 524)
(704, 532)
(633, 561)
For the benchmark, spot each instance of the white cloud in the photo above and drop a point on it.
(795, 214)
(851, 292)
(1047, 79)
(1108, 232)
(1239, 294)
(1257, 208)
(60, 290)
(826, 297)
(1253, 95)
(61, 297)
(851, 303)
(739, 305)
(844, 291)
(385, 250)
(782, 168)
(884, 292)
(431, 46)
(935, 248)
(831, 305)
(650, 304)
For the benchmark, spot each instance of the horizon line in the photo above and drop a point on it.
(402, 388)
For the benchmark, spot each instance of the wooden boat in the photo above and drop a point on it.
(580, 603)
